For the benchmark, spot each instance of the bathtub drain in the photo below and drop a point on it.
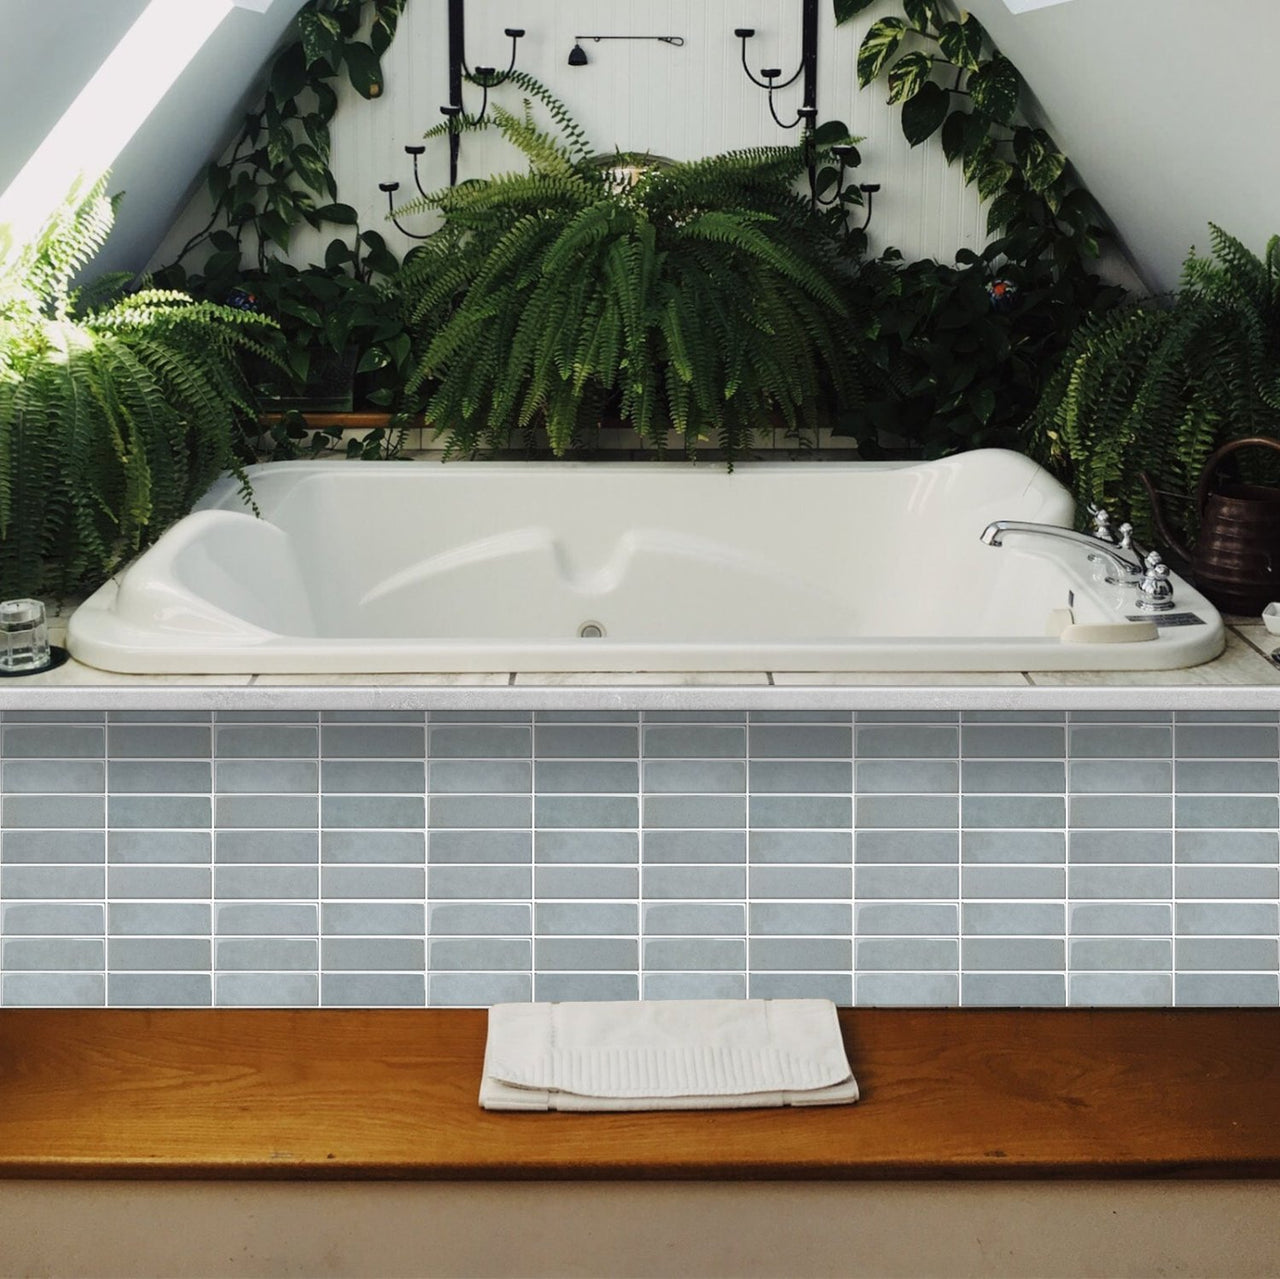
(591, 630)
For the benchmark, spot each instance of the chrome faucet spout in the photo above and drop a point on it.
(995, 533)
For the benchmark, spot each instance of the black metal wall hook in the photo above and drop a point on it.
(391, 188)
(848, 157)
(486, 77)
(770, 78)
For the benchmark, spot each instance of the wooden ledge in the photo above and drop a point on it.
(392, 1094)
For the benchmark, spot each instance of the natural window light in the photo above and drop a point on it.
(110, 109)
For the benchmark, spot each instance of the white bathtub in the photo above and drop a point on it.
(404, 567)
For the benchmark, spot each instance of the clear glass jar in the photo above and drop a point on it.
(24, 636)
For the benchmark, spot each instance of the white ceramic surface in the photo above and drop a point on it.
(398, 567)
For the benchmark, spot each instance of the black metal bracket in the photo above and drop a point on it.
(770, 77)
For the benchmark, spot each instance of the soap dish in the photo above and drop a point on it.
(1271, 618)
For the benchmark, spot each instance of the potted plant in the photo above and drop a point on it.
(117, 410)
(1157, 386)
(702, 298)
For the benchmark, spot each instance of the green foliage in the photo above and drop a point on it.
(1157, 388)
(707, 298)
(115, 414)
(332, 320)
(278, 172)
(278, 178)
(950, 80)
(964, 350)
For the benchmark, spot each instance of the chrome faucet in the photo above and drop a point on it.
(1099, 551)
(1149, 575)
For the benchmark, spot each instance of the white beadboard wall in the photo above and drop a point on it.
(636, 95)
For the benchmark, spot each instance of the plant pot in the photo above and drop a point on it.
(329, 387)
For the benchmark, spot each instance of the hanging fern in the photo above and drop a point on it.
(708, 299)
(115, 415)
(1157, 388)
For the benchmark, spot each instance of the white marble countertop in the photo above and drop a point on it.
(1243, 678)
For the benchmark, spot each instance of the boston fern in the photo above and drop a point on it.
(1157, 388)
(705, 298)
(115, 415)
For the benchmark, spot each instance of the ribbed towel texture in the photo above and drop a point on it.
(683, 1054)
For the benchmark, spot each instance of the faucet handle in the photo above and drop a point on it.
(1101, 524)
(1155, 591)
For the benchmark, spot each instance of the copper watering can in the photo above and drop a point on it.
(1236, 560)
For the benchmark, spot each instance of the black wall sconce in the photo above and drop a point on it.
(847, 156)
(770, 77)
(578, 55)
(486, 77)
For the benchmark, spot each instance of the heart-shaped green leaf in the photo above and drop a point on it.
(953, 135)
(994, 87)
(343, 214)
(1003, 210)
(1042, 164)
(923, 114)
(321, 37)
(908, 74)
(975, 159)
(308, 165)
(878, 46)
(961, 42)
(922, 14)
(318, 132)
(992, 177)
(846, 9)
(364, 69)
(288, 73)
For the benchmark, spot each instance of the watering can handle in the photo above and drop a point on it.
(1211, 466)
(1165, 529)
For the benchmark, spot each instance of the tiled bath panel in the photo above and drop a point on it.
(175, 859)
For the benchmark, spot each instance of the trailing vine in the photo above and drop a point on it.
(276, 178)
(951, 80)
(278, 173)
(965, 348)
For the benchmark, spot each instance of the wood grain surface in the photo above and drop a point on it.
(392, 1094)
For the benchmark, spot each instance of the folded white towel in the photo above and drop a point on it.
(684, 1054)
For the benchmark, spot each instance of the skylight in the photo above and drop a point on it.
(110, 109)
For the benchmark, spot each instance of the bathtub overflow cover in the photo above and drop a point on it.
(591, 630)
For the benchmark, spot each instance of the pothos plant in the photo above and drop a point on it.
(965, 349)
(276, 178)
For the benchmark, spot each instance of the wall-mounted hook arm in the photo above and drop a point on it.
(869, 190)
(391, 188)
(848, 157)
(744, 34)
(416, 151)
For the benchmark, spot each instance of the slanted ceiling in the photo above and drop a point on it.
(1168, 108)
(1165, 120)
(51, 48)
